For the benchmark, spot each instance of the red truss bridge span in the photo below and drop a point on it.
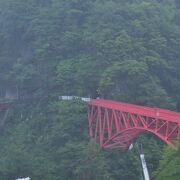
(116, 125)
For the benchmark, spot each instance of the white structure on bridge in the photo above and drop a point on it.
(68, 98)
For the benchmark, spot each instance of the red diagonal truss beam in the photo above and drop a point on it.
(116, 125)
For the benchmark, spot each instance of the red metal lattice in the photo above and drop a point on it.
(116, 125)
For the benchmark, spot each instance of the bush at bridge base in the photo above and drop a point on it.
(169, 167)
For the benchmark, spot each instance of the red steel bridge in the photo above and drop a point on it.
(116, 125)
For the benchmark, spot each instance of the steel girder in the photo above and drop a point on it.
(116, 125)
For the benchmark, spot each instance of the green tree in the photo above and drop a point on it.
(92, 164)
(169, 167)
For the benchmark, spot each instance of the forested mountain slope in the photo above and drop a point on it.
(126, 50)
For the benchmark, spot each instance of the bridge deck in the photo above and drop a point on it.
(143, 110)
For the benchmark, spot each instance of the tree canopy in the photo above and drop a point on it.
(126, 50)
(169, 164)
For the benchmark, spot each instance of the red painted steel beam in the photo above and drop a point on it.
(116, 125)
(143, 110)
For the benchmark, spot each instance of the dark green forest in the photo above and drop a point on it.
(127, 50)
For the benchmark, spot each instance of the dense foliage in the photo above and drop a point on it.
(54, 145)
(169, 165)
(126, 50)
